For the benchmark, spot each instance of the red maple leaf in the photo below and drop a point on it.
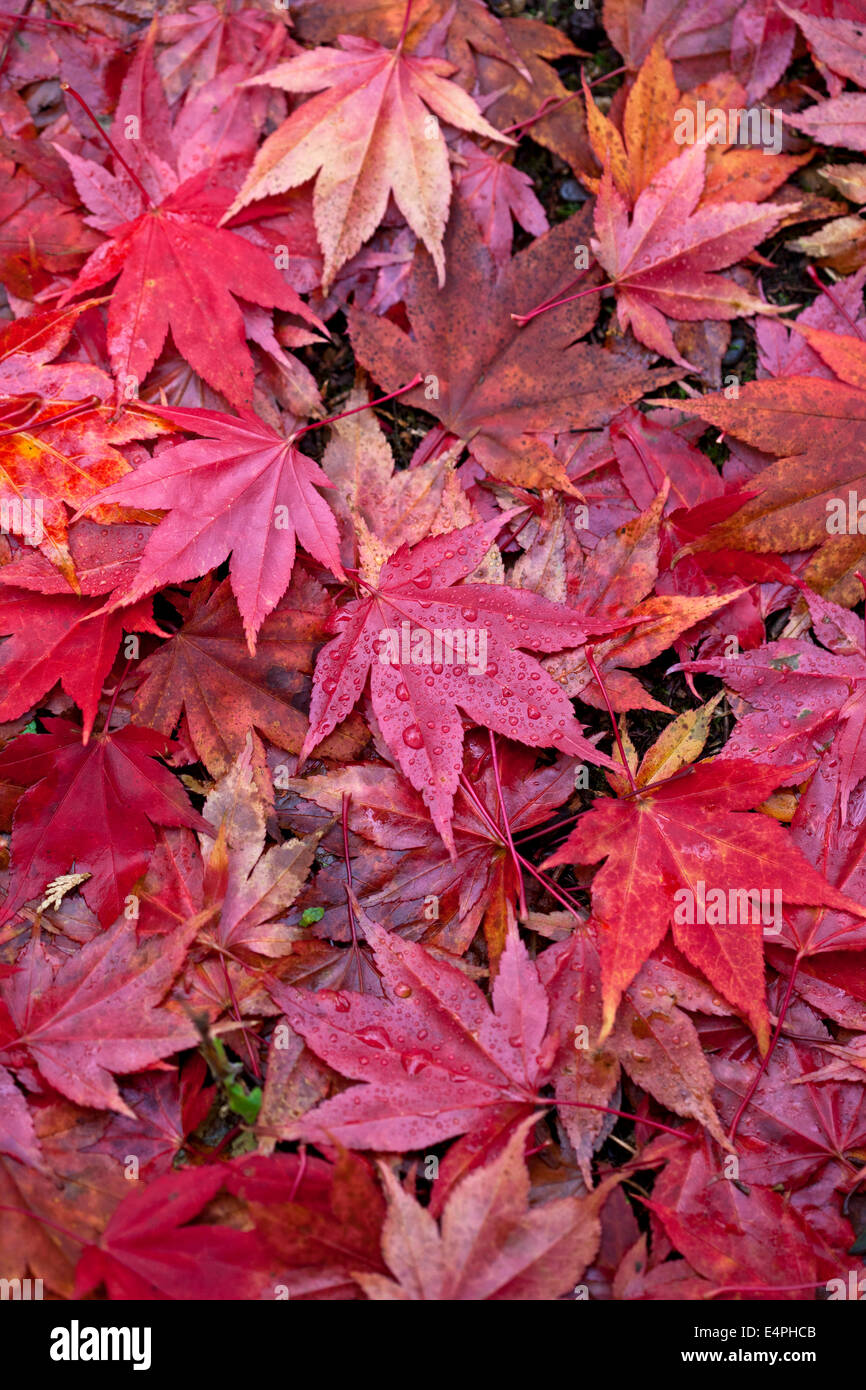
(383, 97)
(149, 1250)
(242, 490)
(433, 1060)
(95, 1014)
(323, 1221)
(177, 267)
(672, 838)
(737, 1240)
(55, 635)
(416, 693)
(492, 1245)
(400, 859)
(93, 805)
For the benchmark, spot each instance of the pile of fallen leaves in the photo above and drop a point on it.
(432, 663)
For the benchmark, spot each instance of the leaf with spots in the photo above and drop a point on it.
(420, 680)
(795, 1127)
(491, 383)
(432, 1059)
(800, 696)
